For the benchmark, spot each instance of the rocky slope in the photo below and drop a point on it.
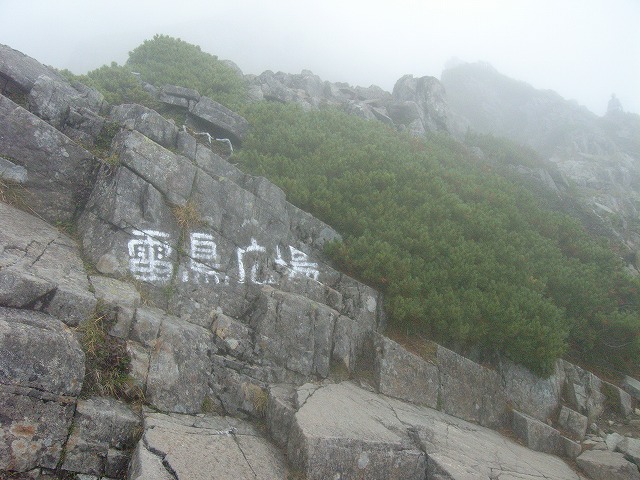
(250, 355)
(598, 156)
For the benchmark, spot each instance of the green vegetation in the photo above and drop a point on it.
(116, 83)
(107, 361)
(464, 256)
(167, 60)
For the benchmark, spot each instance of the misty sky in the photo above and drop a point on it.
(583, 49)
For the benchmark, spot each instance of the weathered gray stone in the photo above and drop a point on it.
(11, 172)
(350, 340)
(530, 394)
(584, 391)
(606, 465)
(294, 332)
(537, 435)
(617, 399)
(146, 121)
(280, 413)
(429, 95)
(42, 269)
(403, 375)
(121, 208)
(571, 449)
(632, 387)
(178, 96)
(102, 427)
(612, 440)
(216, 166)
(346, 431)
(630, 448)
(41, 372)
(33, 430)
(60, 174)
(171, 174)
(179, 365)
(147, 466)
(114, 293)
(53, 100)
(206, 448)
(573, 422)
(470, 391)
(241, 387)
(40, 352)
(221, 118)
(21, 70)
(234, 336)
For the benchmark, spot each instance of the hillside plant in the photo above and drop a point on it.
(166, 60)
(464, 255)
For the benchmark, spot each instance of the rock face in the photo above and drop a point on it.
(417, 105)
(341, 428)
(40, 269)
(184, 447)
(60, 173)
(41, 374)
(102, 437)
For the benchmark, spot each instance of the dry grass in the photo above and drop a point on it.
(106, 362)
(187, 216)
(257, 396)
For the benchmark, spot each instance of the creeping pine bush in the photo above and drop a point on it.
(464, 254)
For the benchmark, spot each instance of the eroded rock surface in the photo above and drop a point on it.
(41, 269)
(343, 431)
(205, 447)
(41, 374)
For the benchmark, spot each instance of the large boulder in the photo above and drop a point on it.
(403, 375)
(18, 72)
(428, 95)
(342, 431)
(41, 268)
(102, 438)
(56, 100)
(537, 435)
(41, 374)
(223, 121)
(471, 391)
(146, 121)
(606, 465)
(60, 173)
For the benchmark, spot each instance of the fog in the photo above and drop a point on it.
(583, 49)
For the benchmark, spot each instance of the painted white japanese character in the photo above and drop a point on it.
(203, 259)
(253, 271)
(300, 264)
(148, 254)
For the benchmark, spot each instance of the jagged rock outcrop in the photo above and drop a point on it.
(417, 105)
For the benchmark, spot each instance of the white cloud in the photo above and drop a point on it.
(583, 49)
